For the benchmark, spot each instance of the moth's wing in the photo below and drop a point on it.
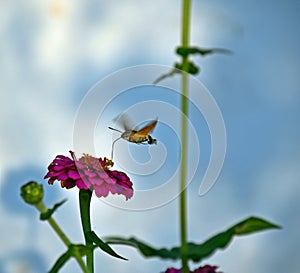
(124, 122)
(148, 128)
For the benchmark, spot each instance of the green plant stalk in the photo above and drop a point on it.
(185, 32)
(42, 208)
(84, 203)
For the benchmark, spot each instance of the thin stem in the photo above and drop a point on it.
(84, 203)
(186, 7)
(42, 208)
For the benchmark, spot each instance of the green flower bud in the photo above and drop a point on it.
(32, 192)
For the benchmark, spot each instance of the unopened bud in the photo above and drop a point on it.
(32, 192)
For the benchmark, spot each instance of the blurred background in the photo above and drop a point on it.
(53, 51)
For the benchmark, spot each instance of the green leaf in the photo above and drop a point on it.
(191, 69)
(178, 68)
(92, 236)
(185, 51)
(167, 75)
(253, 224)
(145, 249)
(47, 214)
(197, 252)
(61, 261)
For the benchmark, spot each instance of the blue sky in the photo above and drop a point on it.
(52, 52)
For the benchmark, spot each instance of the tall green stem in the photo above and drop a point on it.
(185, 33)
(84, 203)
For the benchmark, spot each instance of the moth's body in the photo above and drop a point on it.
(136, 137)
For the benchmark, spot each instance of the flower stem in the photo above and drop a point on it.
(84, 203)
(42, 208)
(185, 32)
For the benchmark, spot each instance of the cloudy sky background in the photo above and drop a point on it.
(52, 52)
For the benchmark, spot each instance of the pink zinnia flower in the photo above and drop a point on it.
(89, 172)
(173, 270)
(206, 269)
(202, 269)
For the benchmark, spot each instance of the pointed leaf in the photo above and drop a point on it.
(220, 241)
(178, 68)
(185, 51)
(47, 214)
(191, 69)
(92, 236)
(197, 252)
(146, 249)
(61, 261)
(167, 75)
(253, 224)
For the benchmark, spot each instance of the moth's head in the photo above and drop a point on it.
(151, 140)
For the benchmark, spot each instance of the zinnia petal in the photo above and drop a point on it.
(82, 185)
(73, 174)
(101, 191)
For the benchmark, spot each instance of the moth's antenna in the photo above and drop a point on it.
(115, 129)
(112, 147)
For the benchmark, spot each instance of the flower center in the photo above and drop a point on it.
(108, 163)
